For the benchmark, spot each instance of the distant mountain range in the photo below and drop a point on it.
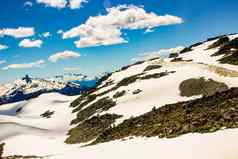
(28, 87)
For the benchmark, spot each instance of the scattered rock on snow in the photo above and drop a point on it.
(136, 91)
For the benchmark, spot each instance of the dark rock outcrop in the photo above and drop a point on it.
(173, 55)
(226, 48)
(119, 94)
(152, 67)
(186, 49)
(230, 51)
(137, 91)
(219, 43)
(201, 86)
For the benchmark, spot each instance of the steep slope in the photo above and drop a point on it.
(137, 88)
(214, 51)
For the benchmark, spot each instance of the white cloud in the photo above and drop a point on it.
(171, 50)
(63, 55)
(101, 36)
(3, 47)
(71, 69)
(28, 4)
(46, 34)
(107, 29)
(2, 61)
(60, 31)
(72, 4)
(53, 3)
(37, 64)
(20, 32)
(75, 4)
(27, 43)
(161, 53)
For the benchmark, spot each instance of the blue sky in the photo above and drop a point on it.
(191, 21)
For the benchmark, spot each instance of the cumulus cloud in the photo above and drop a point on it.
(71, 69)
(36, 64)
(53, 3)
(161, 53)
(2, 61)
(20, 32)
(60, 31)
(171, 50)
(28, 4)
(46, 34)
(63, 55)
(27, 43)
(75, 4)
(107, 29)
(72, 4)
(3, 47)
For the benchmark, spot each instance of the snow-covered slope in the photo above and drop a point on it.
(154, 85)
(157, 92)
(202, 54)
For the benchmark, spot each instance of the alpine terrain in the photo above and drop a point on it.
(183, 106)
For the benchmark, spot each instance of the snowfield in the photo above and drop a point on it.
(29, 121)
(219, 145)
(26, 132)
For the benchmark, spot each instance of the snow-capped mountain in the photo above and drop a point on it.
(68, 77)
(27, 87)
(183, 106)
